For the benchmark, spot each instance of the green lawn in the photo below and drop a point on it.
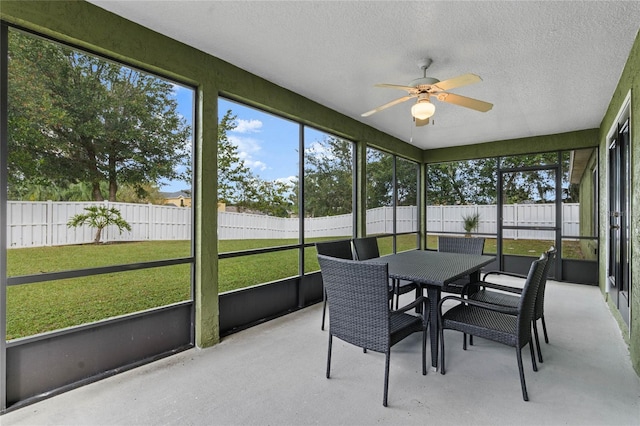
(42, 307)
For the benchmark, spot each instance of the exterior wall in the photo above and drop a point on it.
(629, 81)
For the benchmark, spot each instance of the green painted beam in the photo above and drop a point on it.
(562, 141)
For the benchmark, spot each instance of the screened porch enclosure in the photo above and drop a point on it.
(81, 303)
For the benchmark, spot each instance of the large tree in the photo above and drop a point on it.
(379, 185)
(232, 171)
(238, 186)
(461, 182)
(328, 177)
(475, 181)
(76, 118)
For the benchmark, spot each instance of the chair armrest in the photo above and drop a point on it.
(419, 301)
(486, 284)
(483, 305)
(509, 274)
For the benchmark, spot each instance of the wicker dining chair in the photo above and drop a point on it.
(359, 310)
(340, 249)
(510, 326)
(488, 294)
(367, 248)
(459, 245)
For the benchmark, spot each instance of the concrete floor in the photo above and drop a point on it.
(275, 374)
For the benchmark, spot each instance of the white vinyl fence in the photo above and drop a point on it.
(450, 219)
(34, 224)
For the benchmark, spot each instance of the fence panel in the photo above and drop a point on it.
(34, 224)
(328, 226)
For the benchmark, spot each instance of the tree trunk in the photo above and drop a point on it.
(113, 182)
(96, 240)
(113, 190)
(95, 191)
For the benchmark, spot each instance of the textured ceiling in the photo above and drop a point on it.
(548, 67)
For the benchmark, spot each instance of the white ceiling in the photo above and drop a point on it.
(548, 67)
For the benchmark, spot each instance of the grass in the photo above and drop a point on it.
(41, 307)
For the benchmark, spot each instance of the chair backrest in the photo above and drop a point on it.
(340, 249)
(551, 256)
(461, 245)
(358, 297)
(527, 304)
(366, 248)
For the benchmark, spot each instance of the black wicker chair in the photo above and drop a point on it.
(340, 249)
(359, 310)
(367, 248)
(510, 326)
(459, 245)
(488, 295)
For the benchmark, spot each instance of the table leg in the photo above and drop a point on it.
(433, 293)
(474, 277)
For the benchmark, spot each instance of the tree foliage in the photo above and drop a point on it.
(407, 173)
(462, 182)
(232, 172)
(75, 118)
(239, 187)
(328, 177)
(379, 185)
(380, 180)
(475, 181)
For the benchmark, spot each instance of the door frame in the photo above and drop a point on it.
(624, 115)
(556, 229)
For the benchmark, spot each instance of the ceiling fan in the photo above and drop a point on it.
(426, 87)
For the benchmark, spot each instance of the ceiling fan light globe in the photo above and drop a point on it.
(423, 110)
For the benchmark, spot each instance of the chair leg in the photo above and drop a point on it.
(533, 356)
(471, 340)
(523, 385)
(386, 378)
(424, 351)
(442, 370)
(464, 341)
(324, 310)
(535, 335)
(544, 329)
(329, 355)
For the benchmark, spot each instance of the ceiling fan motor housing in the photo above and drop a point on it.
(423, 83)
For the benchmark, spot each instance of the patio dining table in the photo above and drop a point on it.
(432, 270)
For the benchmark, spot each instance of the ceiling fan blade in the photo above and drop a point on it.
(463, 101)
(396, 86)
(459, 81)
(387, 105)
(420, 123)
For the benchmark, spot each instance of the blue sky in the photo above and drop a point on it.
(267, 144)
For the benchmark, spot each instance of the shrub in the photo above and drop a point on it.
(471, 222)
(99, 217)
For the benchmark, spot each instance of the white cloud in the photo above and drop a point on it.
(319, 150)
(247, 126)
(289, 180)
(254, 164)
(248, 149)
